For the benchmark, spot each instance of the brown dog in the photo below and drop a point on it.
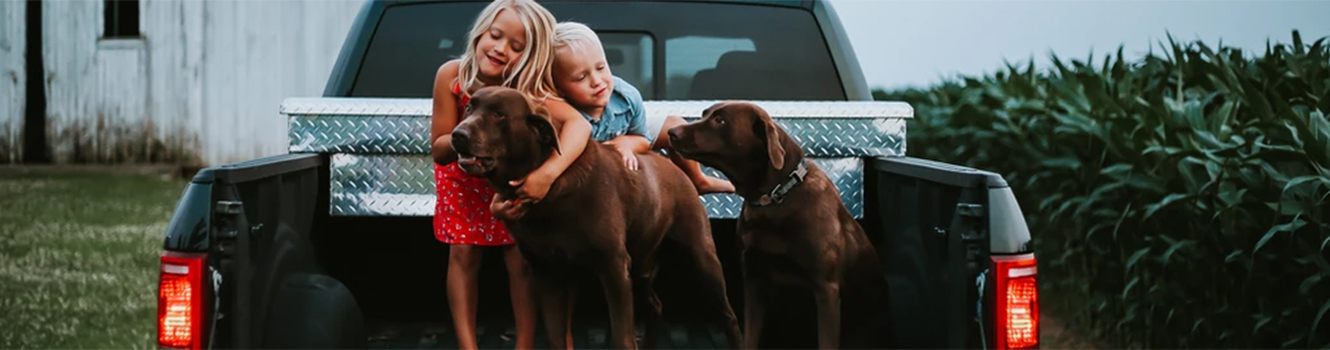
(793, 226)
(598, 217)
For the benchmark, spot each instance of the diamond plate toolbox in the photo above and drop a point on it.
(380, 164)
(403, 185)
(401, 126)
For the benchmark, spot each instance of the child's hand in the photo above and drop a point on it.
(533, 187)
(629, 158)
(509, 210)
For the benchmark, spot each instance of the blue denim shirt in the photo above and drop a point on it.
(625, 114)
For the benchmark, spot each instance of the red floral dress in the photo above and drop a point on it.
(462, 212)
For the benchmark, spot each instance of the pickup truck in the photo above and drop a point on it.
(331, 245)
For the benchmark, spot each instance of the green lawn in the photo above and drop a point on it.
(78, 256)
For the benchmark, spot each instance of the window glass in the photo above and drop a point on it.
(699, 50)
(629, 55)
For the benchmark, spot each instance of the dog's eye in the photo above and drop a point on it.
(467, 108)
(720, 120)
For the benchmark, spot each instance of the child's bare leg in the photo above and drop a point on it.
(463, 271)
(705, 184)
(524, 310)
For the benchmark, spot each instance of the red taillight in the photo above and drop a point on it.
(1017, 302)
(180, 296)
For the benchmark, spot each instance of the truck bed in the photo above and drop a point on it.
(496, 335)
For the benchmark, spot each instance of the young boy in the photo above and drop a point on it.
(612, 106)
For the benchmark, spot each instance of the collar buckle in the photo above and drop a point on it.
(777, 195)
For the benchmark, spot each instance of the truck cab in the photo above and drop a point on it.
(331, 244)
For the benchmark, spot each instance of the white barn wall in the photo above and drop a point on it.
(255, 55)
(74, 79)
(173, 36)
(12, 77)
(203, 84)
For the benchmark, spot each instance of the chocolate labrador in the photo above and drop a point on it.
(794, 229)
(598, 216)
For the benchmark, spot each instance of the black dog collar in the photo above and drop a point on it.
(777, 194)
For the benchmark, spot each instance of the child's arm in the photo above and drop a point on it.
(444, 117)
(634, 143)
(574, 132)
(629, 146)
(635, 140)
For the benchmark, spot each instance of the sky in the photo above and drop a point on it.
(915, 43)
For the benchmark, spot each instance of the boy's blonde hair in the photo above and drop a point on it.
(575, 36)
(531, 75)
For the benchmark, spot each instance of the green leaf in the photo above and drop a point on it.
(1151, 209)
(1263, 320)
(1232, 198)
(1144, 182)
(1305, 179)
(1290, 226)
(1309, 283)
(1289, 343)
(1174, 248)
(1050, 200)
(1213, 169)
(1062, 162)
(1232, 256)
(1097, 195)
(1117, 170)
(1324, 106)
(1297, 43)
(1137, 257)
(1130, 285)
(1293, 131)
(1316, 324)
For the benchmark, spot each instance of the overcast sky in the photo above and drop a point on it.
(916, 42)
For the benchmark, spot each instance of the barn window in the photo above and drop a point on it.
(121, 19)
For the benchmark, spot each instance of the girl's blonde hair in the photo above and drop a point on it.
(531, 74)
(575, 36)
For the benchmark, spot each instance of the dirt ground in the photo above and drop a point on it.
(1054, 333)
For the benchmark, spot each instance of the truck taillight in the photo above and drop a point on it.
(180, 296)
(1017, 307)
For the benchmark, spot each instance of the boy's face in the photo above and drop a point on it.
(583, 76)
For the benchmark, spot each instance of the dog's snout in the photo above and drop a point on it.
(460, 134)
(676, 133)
(461, 139)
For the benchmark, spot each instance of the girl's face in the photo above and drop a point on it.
(500, 46)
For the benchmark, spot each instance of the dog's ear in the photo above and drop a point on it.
(539, 121)
(775, 147)
(713, 108)
(707, 112)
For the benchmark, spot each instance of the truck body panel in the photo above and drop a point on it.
(337, 236)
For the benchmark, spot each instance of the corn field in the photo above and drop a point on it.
(1176, 200)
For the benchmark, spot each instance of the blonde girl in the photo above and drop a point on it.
(510, 45)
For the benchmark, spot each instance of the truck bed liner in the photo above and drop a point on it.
(501, 336)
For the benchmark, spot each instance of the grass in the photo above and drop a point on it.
(78, 256)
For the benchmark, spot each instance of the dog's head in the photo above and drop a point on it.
(502, 135)
(733, 132)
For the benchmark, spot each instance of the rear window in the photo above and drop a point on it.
(669, 51)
